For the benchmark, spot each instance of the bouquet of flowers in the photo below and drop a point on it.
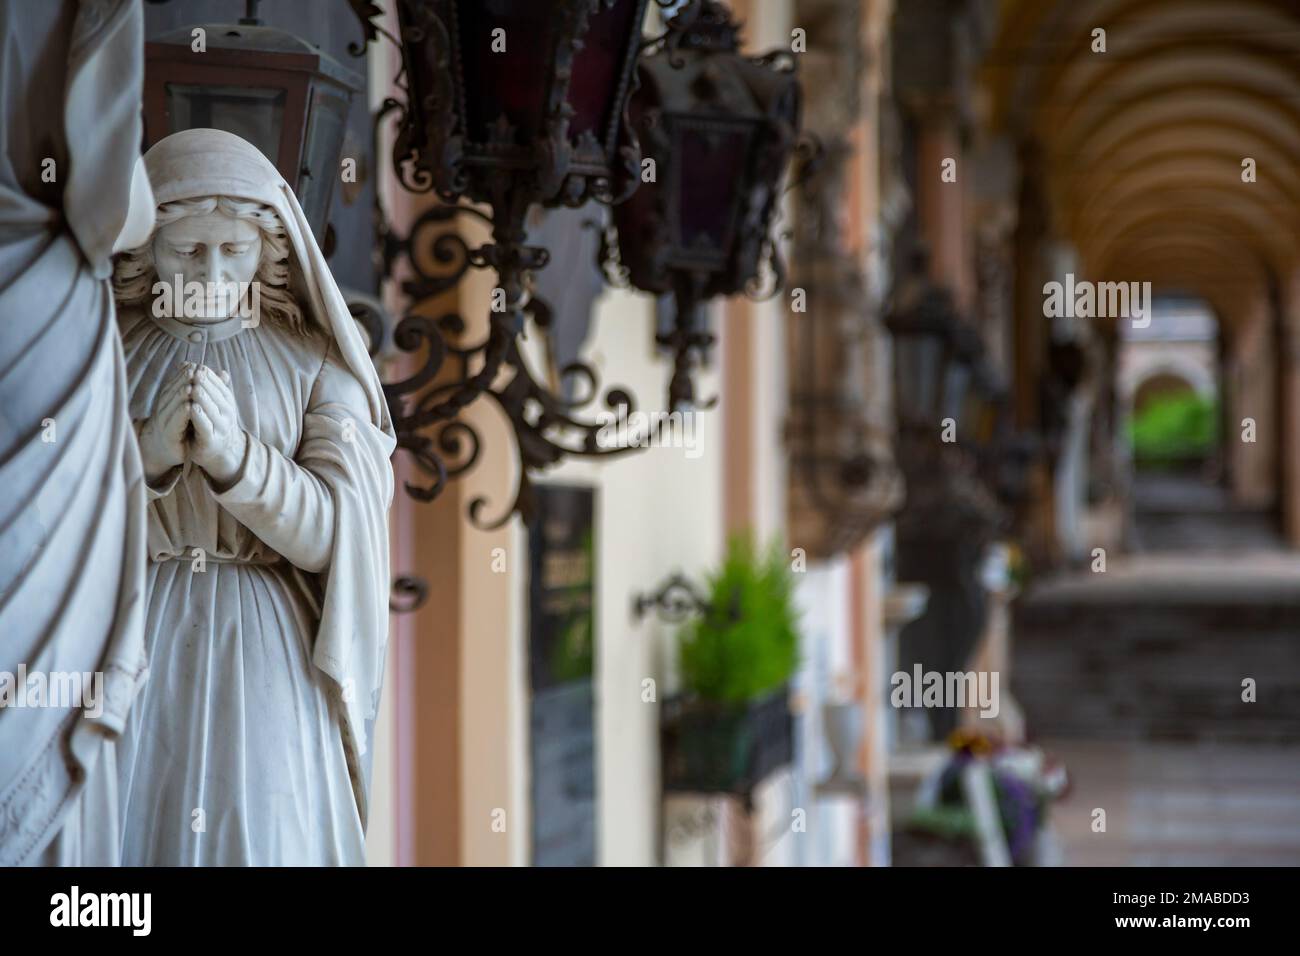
(1025, 782)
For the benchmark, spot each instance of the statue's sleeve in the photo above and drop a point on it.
(289, 502)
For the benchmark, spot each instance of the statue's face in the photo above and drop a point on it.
(213, 249)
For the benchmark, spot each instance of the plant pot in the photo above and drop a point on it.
(712, 747)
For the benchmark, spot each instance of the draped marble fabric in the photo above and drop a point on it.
(248, 745)
(72, 538)
(235, 720)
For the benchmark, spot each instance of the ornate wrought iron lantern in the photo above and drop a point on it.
(270, 87)
(720, 129)
(519, 101)
(936, 361)
(512, 104)
(951, 515)
(1004, 454)
(921, 320)
(962, 358)
(843, 478)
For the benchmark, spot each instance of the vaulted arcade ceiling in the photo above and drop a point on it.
(1142, 146)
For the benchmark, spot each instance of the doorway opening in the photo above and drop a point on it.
(1171, 389)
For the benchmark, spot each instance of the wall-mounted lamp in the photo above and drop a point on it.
(718, 129)
(268, 86)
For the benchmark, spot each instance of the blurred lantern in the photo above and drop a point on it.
(965, 350)
(843, 479)
(275, 90)
(921, 320)
(514, 102)
(509, 104)
(719, 129)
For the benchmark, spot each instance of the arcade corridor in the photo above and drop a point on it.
(1133, 677)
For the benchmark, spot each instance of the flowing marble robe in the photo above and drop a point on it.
(235, 721)
(72, 500)
(249, 743)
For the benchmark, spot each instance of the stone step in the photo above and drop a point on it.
(1119, 667)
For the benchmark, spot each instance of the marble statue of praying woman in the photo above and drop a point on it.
(265, 441)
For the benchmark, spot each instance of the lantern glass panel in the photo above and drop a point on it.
(325, 129)
(956, 382)
(512, 84)
(710, 166)
(597, 69)
(918, 358)
(253, 113)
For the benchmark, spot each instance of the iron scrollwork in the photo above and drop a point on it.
(548, 425)
(676, 600)
(434, 151)
(409, 594)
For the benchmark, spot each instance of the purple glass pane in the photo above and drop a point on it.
(505, 91)
(598, 69)
(712, 164)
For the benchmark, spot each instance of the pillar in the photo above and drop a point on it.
(1252, 395)
(1288, 438)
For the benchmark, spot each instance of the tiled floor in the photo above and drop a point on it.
(1180, 513)
(1172, 804)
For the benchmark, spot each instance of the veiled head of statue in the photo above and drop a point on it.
(224, 210)
(224, 243)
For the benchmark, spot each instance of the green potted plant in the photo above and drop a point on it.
(731, 725)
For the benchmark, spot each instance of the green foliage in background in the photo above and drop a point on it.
(1174, 427)
(573, 655)
(748, 645)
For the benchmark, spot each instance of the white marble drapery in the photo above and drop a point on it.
(267, 659)
(72, 511)
(235, 721)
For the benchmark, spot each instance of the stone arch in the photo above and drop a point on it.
(1200, 377)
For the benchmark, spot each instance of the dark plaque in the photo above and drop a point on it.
(561, 644)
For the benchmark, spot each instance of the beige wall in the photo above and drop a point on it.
(752, 340)
(657, 512)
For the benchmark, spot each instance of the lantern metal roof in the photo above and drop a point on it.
(257, 47)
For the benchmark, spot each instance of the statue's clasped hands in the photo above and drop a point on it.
(195, 417)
